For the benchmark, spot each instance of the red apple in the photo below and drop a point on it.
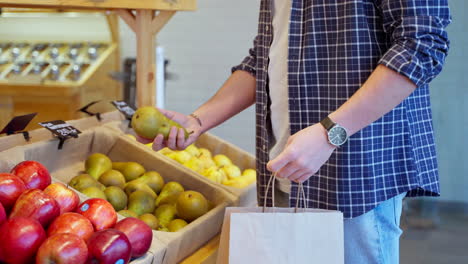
(20, 238)
(67, 198)
(11, 187)
(62, 249)
(33, 173)
(3, 216)
(36, 204)
(99, 211)
(71, 223)
(139, 234)
(109, 246)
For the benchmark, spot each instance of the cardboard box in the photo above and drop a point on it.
(66, 163)
(40, 134)
(245, 196)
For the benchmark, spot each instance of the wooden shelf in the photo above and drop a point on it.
(145, 17)
(175, 5)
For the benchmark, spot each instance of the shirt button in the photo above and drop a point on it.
(265, 68)
(267, 27)
(264, 147)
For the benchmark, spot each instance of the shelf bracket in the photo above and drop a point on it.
(160, 20)
(129, 18)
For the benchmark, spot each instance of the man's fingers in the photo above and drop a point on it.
(180, 138)
(279, 162)
(158, 142)
(297, 174)
(287, 170)
(172, 139)
(304, 177)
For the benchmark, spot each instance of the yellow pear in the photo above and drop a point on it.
(205, 152)
(131, 136)
(231, 171)
(192, 150)
(165, 151)
(215, 174)
(172, 155)
(222, 160)
(239, 182)
(206, 161)
(194, 164)
(182, 157)
(118, 165)
(250, 175)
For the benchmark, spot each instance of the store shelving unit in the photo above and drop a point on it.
(145, 17)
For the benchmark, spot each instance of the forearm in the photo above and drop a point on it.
(382, 92)
(236, 94)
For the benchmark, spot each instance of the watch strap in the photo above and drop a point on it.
(327, 123)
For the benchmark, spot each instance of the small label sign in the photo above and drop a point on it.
(18, 123)
(124, 108)
(61, 129)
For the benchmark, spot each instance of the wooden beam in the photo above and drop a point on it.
(128, 17)
(187, 5)
(146, 89)
(160, 20)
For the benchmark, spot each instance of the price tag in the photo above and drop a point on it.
(18, 124)
(61, 129)
(124, 108)
(85, 110)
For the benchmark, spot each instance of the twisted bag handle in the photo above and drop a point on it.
(271, 182)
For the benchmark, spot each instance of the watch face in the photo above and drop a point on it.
(337, 135)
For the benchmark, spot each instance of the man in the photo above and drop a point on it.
(342, 103)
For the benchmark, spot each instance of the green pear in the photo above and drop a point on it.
(118, 165)
(141, 202)
(94, 192)
(176, 224)
(151, 220)
(191, 205)
(116, 197)
(165, 214)
(127, 213)
(148, 122)
(96, 164)
(154, 180)
(84, 181)
(139, 185)
(170, 188)
(132, 170)
(112, 178)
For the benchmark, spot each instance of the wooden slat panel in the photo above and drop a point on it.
(105, 4)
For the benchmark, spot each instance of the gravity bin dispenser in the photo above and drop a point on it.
(55, 62)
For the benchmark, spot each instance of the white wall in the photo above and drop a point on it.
(202, 46)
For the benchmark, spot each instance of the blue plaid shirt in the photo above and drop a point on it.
(334, 45)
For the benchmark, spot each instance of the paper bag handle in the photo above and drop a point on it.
(271, 182)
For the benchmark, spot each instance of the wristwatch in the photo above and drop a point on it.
(337, 135)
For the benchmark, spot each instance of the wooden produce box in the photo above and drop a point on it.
(244, 196)
(68, 162)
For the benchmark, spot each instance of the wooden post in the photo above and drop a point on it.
(146, 90)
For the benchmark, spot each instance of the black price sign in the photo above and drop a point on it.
(18, 124)
(61, 129)
(124, 108)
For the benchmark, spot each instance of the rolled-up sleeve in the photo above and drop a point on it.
(419, 42)
(249, 62)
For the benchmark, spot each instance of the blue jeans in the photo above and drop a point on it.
(373, 238)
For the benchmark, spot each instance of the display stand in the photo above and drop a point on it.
(145, 17)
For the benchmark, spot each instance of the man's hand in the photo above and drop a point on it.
(304, 154)
(176, 139)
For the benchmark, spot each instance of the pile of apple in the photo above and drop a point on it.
(135, 192)
(44, 222)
